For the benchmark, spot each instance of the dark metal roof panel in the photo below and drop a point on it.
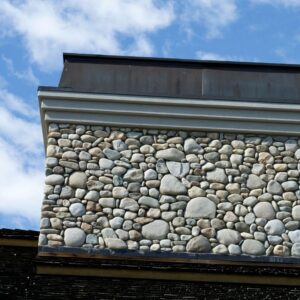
(178, 78)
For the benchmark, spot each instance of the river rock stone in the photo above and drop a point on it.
(290, 186)
(228, 236)
(264, 210)
(294, 236)
(115, 243)
(134, 175)
(274, 227)
(54, 179)
(78, 180)
(296, 249)
(156, 230)
(296, 213)
(106, 164)
(170, 154)
(77, 209)
(274, 187)
(200, 207)
(111, 154)
(129, 204)
(74, 237)
(217, 175)
(253, 247)
(191, 146)
(198, 244)
(255, 182)
(170, 185)
(148, 201)
(178, 169)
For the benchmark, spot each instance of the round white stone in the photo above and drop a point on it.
(74, 237)
(54, 179)
(77, 209)
(200, 207)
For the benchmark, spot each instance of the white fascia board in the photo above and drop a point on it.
(160, 112)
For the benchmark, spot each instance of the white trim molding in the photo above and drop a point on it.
(171, 113)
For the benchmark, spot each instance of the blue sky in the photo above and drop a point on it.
(34, 34)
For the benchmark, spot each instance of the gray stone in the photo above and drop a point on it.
(178, 169)
(253, 247)
(234, 249)
(85, 156)
(274, 187)
(255, 182)
(134, 175)
(228, 236)
(106, 164)
(297, 154)
(200, 207)
(78, 180)
(217, 175)
(296, 249)
(170, 154)
(148, 201)
(129, 204)
(54, 179)
(264, 210)
(170, 185)
(66, 192)
(119, 192)
(91, 239)
(291, 145)
(258, 169)
(150, 174)
(107, 202)
(51, 162)
(274, 227)
(77, 209)
(74, 237)
(191, 146)
(92, 196)
(290, 186)
(198, 244)
(115, 243)
(119, 145)
(296, 213)
(220, 249)
(161, 167)
(111, 154)
(108, 233)
(294, 236)
(116, 223)
(156, 230)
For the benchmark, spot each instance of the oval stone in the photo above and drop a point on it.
(78, 180)
(74, 237)
(54, 179)
(200, 207)
(253, 247)
(198, 244)
(77, 209)
(156, 230)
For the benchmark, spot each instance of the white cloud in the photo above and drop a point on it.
(26, 75)
(21, 156)
(48, 28)
(285, 3)
(215, 15)
(215, 56)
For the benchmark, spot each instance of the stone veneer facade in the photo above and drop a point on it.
(167, 190)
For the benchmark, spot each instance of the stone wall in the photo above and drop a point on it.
(164, 190)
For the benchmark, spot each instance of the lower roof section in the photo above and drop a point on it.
(159, 113)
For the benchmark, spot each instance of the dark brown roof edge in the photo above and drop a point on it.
(100, 58)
